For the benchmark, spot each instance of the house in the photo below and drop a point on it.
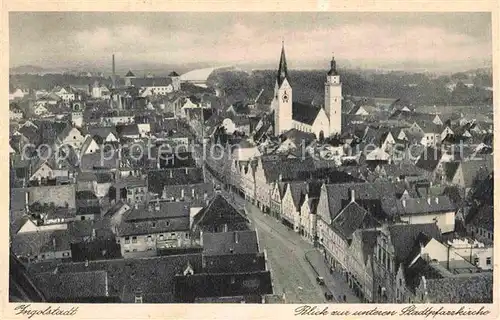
(439, 210)
(395, 248)
(277, 194)
(59, 195)
(292, 203)
(65, 94)
(360, 262)
(15, 112)
(479, 224)
(430, 160)
(233, 270)
(42, 245)
(153, 86)
(475, 252)
(218, 216)
(89, 146)
(130, 131)
(469, 170)
(17, 94)
(103, 134)
(345, 207)
(157, 226)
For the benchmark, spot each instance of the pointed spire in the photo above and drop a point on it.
(333, 67)
(282, 69)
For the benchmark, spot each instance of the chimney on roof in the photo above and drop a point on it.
(93, 234)
(353, 195)
(429, 200)
(280, 177)
(182, 193)
(27, 201)
(437, 200)
(86, 262)
(225, 227)
(170, 173)
(136, 205)
(54, 243)
(113, 77)
(186, 170)
(157, 205)
(236, 237)
(403, 202)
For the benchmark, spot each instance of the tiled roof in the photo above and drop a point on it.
(156, 210)
(450, 168)
(153, 276)
(235, 242)
(416, 206)
(156, 226)
(304, 113)
(472, 168)
(351, 218)
(151, 82)
(73, 286)
(472, 288)
(217, 213)
(158, 179)
(298, 191)
(429, 159)
(36, 243)
(379, 198)
(403, 237)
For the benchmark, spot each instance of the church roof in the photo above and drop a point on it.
(282, 69)
(304, 113)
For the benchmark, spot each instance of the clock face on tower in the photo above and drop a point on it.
(285, 97)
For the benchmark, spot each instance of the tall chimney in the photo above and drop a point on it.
(114, 74)
(353, 195)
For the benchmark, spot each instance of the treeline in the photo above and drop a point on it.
(308, 86)
(50, 80)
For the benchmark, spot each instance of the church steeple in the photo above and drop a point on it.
(282, 69)
(333, 67)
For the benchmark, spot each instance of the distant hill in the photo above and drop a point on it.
(27, 69)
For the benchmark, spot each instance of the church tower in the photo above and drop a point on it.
(282, 101)
(333, 99)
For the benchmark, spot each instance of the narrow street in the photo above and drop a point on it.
(294, 262)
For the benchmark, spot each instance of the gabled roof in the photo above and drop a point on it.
(220, 212)
(350, 219)
(299, 137)
(429, 159)
(235, 242)
(450, 168)
(130, 74)
(471, 168)
(403, 237)
(378, 198)
(304, 113)
(298, 191)
(173, 74)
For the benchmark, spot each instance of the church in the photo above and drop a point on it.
(288, 114)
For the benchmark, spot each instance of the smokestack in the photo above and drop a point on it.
(114, 73)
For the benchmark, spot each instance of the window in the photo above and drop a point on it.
(127, 240)
(488, 261)
(134, 239)
(149, 239)
(161, 237)
(65, 254)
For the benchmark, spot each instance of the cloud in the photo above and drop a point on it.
(238, 41)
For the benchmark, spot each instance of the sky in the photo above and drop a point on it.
(358, 40)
